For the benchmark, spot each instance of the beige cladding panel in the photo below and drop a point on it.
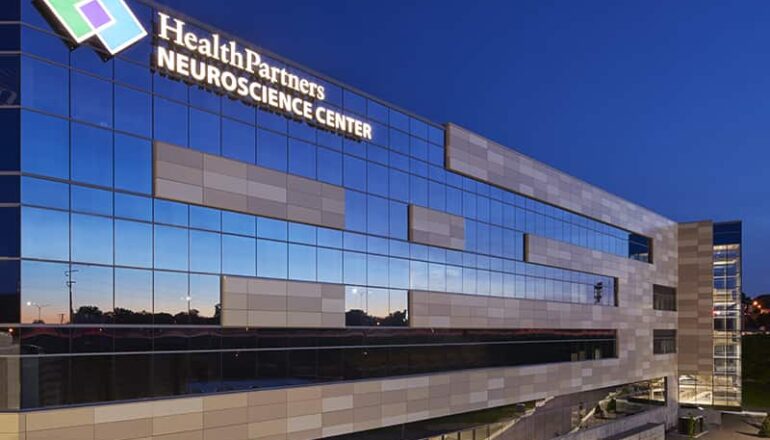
(316, 411)
(695, 298)
(436, 228)
(262, 302)
(472, 155)
(186, 175)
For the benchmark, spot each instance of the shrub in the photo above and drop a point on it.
(691, 427)
(612, 406)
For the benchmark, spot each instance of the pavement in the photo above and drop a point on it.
(734, 427)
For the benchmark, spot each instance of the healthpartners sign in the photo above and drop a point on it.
(225, 67)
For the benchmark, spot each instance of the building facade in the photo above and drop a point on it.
(204, 240)
(710, 320)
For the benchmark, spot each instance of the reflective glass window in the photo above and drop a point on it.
(92, 296)
(302, 158)
(354, 269)
(302, 262)
(91, 201)
(236, 223)
(44, 145)
(238, 255)
(205, 132)
(92, 239)
(205, 251)
(133, 296)
(133, 244)
(239, 141)
(272, 121)
(91, 99)
(377, 216)
(171, 248)
(205, 218)
(172, 301)
(170, 88)
(239, 110)
(329, 166)
(377, 177)
(204, 99)
(171, 213)
(44, 45)
(272, 259)
(44, 193)
(45, 234)
(272, 150)
(134, 207)
(329, 265)
(271, 228)
(171, 122)
(355, 211)
(133, 111)
(42, 87)
(91, 155)
(205, 302)
(44, 293)
(133, 74)
(354, 171)
(133, 164)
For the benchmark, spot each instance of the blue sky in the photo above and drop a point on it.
(663, 103)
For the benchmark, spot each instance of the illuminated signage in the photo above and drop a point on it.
(111, 21)
(226, 67)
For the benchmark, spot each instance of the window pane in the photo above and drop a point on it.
(302, 158)
(302, 262)
(91, 99)
(42, 86)
(128, 206)
(204, 132)
(133, 164)
(92, 300)
(205, 218)
(44, 193)
(271, 150)
(239, 141)
(133, 111)
(329, 265)
(91, 239)
(44, 293)
(241, 224)
(170, 248)
(91, 155)
(133, 296)
(133, 244)
(172, 299)
(272, 259)
(205, 251)
(44, 145)
(170, 122)
(45, 234)
(90, 200)
(238, 255)
(171, 213)
(205, 299)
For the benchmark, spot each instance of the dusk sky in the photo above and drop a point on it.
(664, 103)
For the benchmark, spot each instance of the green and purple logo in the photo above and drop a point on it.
(111, 21)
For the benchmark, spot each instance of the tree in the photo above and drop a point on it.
(764, 430)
